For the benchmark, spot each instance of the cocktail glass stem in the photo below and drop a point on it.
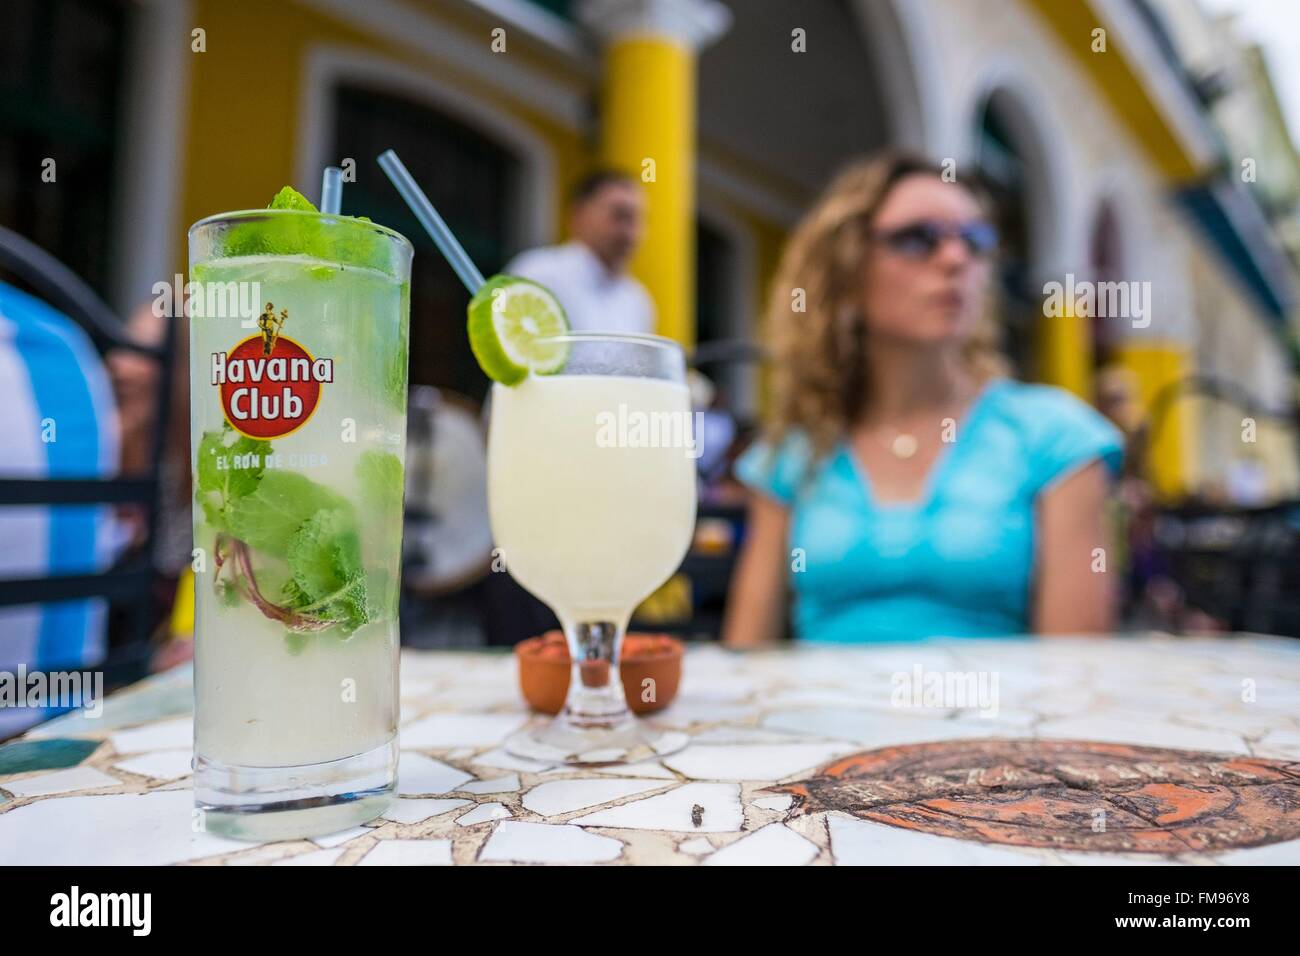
(596, 725)
(596, 697)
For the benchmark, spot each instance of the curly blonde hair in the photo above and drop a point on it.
(819, 377)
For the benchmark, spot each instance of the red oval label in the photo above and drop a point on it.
(268, 396)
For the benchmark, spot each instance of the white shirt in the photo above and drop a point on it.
(595, 300)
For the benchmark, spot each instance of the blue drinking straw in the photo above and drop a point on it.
(433, 224)
(331, 191)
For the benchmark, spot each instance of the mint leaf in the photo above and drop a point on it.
(325, 554)
(328, 579)
(396, 370)
(267, 519)
(345, 240)
(290, 198)
(229, 466)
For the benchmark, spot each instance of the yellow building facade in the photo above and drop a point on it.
(666, 89)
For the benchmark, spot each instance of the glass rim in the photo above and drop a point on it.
(244, 214)
(628, 338)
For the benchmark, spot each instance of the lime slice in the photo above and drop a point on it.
(508, 319)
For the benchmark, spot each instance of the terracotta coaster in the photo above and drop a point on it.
(1064, 794)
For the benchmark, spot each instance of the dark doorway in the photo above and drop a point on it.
(61, 70)
(1004, 172)
(713, 276)
(473, 183)
(1106, 261)
(717, 312)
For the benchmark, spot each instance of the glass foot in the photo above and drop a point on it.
(289, 803)
(559, 740)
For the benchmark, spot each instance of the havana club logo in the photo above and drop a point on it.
(270, 385)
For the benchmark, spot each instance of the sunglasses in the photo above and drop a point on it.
(920, 240)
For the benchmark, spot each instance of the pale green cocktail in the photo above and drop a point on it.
(298, 424)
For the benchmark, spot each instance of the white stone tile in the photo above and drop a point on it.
(460, 753)
(845, 660)
(1002, 717)
(507, 784)
(733, 734)
(60, 781)
(1060, 702)
(436, 665)
(1274, 854)
(418, 687)
(696, 846)
(773, 845)
(646, 768)
(476, 698)
(1283, 743)
(160, 764)
(520, 842)
(340, 837)
(128, 829)
(313, 858)
(706, 661)
(409, 853)
(751, 761)
(1150, 733)
(412, 810)
(821, 697)
(483, 813)
(716, 806)
(715, 687)
(499, 759)
(166, 735)
(161, 695)
(418, 774)
(441, 730)
(565, 796)
(684, 712)
(872, 729)
(857, 842)
(779, 804)
(1240, 720)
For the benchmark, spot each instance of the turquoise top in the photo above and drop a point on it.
(959, 561)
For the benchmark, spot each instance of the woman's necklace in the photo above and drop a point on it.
(902, 446)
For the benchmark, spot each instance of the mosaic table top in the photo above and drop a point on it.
(1052, 752)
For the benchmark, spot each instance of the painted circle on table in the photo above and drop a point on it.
(1064, 795)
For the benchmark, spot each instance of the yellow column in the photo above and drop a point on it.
(1064, 351)
(648, 129)
(1157, 364)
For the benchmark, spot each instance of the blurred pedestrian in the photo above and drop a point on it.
(588, 274)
